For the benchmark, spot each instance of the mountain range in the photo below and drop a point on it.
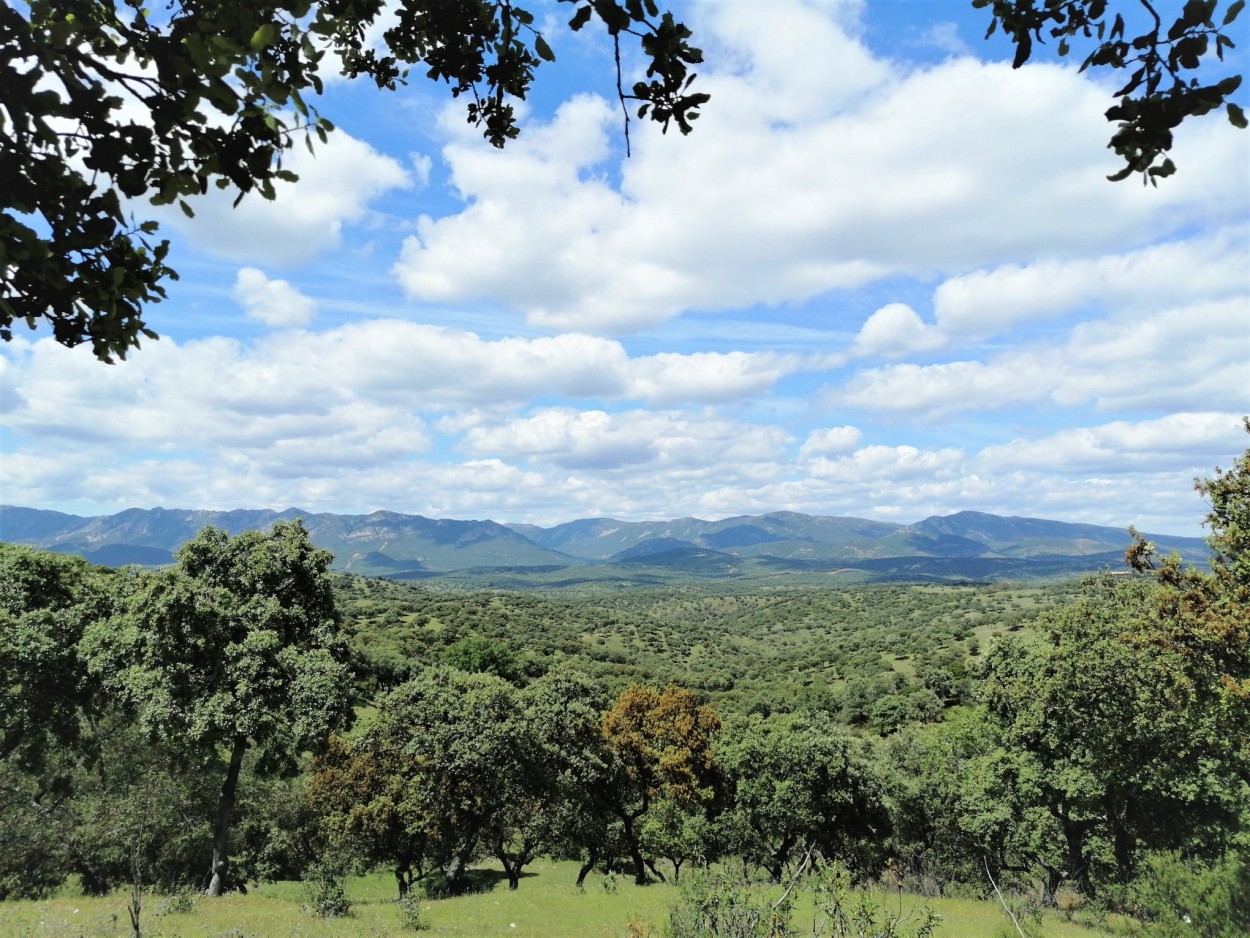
(967, 545)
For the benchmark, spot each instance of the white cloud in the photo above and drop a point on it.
(987, 302)
(1176, 441)
(948, 387)
(830, 441)
(634, 440)
(711, 376)
(893, 331)
(335, 188)
(888, 463)
(1180, 359)
(357, 388)
(274, 302)
(795, 182)
(1186, 358)
(945, 37)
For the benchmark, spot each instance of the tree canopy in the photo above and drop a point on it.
(238, 646)
(103, 105)
(1169, 63)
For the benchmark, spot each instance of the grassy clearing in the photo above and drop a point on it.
(546, 906)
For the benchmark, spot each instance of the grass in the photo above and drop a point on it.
(546, 906)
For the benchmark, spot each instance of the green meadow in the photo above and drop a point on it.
(547, 905)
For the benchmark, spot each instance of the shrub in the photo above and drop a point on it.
(711, 905)
(323, 885)
(410, 912)
(1187, 899)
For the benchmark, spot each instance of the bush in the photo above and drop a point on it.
(844, 913)
(177, 903)
(323, 885)
(711, 905)
(1186, 899)
(410, 912)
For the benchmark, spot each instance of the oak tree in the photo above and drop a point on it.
(659, 744)
(238, 646)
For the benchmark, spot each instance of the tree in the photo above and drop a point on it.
(46, 601)
(659, 745)
(238, 646)
(103, 105)
(961, 804)
(796, 780)
(478, 655)
(1205, 617)
(564, 710)
(464, 754)
(1164, 88)
(1124, 758)
(359, 790)
(677, 833)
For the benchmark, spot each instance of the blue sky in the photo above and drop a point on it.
(885, 277)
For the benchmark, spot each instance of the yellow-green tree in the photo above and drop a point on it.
(659, 745)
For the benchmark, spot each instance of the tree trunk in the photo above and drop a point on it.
(225, 805)
(1124, 844)
(590, 865)
(658, 875)
(1078, 864)
(777, 862)
(456, 875)
(635, 850)
(403, 878)
(1050, 885)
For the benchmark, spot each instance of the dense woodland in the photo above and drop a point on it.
(247, 715)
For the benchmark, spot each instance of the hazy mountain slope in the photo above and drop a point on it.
(967, 544)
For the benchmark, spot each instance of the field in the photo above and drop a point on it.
(546, 906)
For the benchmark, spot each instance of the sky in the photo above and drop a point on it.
(885, 277)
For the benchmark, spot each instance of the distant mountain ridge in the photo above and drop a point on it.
(967, 544)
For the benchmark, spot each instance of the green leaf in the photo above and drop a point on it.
(264, 36)
(1233, 10)
(186, 209)
(543, 50)
(1236, 116)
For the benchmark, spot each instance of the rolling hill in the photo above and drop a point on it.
(965, 545)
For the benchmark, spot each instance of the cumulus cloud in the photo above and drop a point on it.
(947, 388)
(1175, 359)
(796, 182)
(274, 302)
(219, 424)
(888, 463)
(986, 302)
(1176, 441)
(830, 441)
(637, 440)
(893, 331)
(366, 380)
(335, 189)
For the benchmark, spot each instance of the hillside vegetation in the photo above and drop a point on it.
(248, 716)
